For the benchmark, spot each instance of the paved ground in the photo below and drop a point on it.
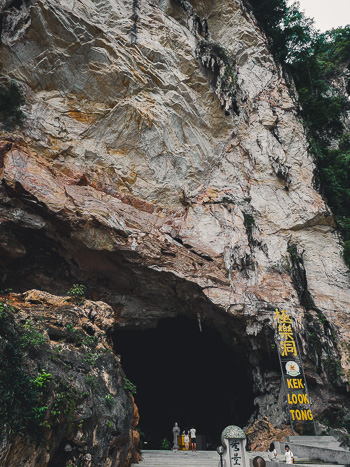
(178, 459)
(201, 459)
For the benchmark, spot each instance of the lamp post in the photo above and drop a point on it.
(220, 450)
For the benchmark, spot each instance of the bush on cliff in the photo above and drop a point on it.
(20, 408)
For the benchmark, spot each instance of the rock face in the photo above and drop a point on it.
(163, 164)
(70, 403)
(262, 433)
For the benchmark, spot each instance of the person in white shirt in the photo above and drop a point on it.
(193, 439)
(288, 455)
(272, 453)
(186, 440)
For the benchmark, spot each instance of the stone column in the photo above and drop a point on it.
(233, 439)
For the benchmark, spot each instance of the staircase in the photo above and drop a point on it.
(324, 449)
(178, 459)
(328, 442)
(304, 448)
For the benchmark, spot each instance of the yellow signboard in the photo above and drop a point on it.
(296, 390)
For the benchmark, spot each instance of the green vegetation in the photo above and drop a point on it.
(37, 395)
(91, 380)
(315, 61)
(4, 308)
(90, 358)
(165, 445)
(77, 291)
(11, 100)
(88, 341)
(22, 407)
(129, 386)
(110, 400)
(42, 380)
(83, 340)
(26, 390)
(70, 327)
(32, 335)
(64, 403)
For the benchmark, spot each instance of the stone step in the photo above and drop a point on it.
(304, 462)
(297, 461)
(207, 459)
(178, 459)
(322, 441)
(180, 456)
(311, 438)
(174, 463)
(155, 452)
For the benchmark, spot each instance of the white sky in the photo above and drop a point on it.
(327, 14)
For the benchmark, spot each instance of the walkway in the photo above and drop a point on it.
(207, 459)
(178, 459)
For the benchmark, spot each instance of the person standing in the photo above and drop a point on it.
(193, 438)
(186, 440)
(288, 455)
(272, 453)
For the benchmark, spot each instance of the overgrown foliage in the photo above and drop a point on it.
(110, 400)
(11, 101)
(81, 339)
(26, 406)
(21, 408)
(165, 445)
(129, 387)
(77, 291)
(315, 60)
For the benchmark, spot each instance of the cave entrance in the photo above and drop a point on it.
(187, 376)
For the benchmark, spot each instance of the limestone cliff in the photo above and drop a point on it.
(163, 164)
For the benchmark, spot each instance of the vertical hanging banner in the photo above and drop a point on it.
(298, 399)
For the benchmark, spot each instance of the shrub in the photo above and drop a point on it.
(91, 380)
(42, 380)
(110, 400)
(129, 386)
(4, 309)
(165, 445)
(77, 291)
(22, 406)
(90, 358)
(32, 335)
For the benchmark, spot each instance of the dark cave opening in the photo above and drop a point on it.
(187, 376)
